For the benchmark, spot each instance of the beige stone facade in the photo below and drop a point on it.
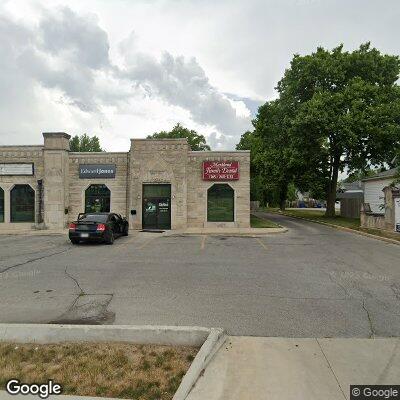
(60, 190)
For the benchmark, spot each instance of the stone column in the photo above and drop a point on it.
(55, 183)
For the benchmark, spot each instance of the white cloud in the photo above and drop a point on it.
(67, 56)
(184, 83)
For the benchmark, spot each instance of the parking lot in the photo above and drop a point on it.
(311, 281)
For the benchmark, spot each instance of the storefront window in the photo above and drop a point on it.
(97, 199)
(1, 205)
(22, 204)
(220, 203)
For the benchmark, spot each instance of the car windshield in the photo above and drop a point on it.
(94, 218)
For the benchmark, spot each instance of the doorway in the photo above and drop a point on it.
(156, 206)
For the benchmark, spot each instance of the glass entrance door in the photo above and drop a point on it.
(156, 206)
(163, 213)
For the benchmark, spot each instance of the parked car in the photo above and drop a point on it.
(101, 227)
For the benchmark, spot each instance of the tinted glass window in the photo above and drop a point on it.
(22, 204)
(220, 203)
(94, 218)
(1, 205)
(97, 198)
(156, 191)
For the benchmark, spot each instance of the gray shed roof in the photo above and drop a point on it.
(350, 194)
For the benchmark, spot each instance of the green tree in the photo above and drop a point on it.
(196, 141)
(85, 143)
(258, 188)
(344, 113)
(358, 175)
(272, 158)
(277, 161)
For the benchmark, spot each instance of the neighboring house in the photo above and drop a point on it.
(351, 196)
(373, 189)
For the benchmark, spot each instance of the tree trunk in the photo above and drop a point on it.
(283, 196)
(331, 195)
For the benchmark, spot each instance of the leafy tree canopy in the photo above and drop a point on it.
(272, 159)
(344, 112)
(196, 141)
(85, 143)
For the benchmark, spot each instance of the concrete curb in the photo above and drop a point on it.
(33, 232)
(203, 357)
(345, 229)
(256, 232)
(210, 339)
(140, 334)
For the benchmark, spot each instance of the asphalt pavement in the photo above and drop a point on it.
(312, 281)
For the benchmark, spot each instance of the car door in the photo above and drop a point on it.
(119, 224)
(122, 223)
(116, 224)
(113, 224)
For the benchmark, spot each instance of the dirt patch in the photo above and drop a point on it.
(142, 372)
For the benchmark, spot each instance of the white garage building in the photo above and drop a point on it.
(373, 190)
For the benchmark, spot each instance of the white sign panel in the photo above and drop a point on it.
(16, 169)
(397, 214)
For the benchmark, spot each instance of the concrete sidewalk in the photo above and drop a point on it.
(228, 231)
(297, 369)
(33, 232)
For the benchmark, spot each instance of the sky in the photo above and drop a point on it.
(122, 69)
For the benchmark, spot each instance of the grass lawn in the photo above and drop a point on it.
(256, 222)
(319, 215)
(379, 232)
(145, 372)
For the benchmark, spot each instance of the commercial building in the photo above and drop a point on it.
(158, 184)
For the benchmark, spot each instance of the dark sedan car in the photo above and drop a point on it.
(101, 227)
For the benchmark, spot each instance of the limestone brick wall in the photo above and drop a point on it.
(159, 161)
(197, 189)
(20, 154)
(56, 164)
(149, 161)
(117, 185)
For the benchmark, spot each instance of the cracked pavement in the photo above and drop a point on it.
(313, 281)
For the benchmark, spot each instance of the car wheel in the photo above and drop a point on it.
(74, 241)
(126, 231)
(110, 240)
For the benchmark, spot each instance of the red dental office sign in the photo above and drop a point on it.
(220, 170)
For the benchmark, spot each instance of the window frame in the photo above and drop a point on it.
(12, 215)
(233, 203)
(85, 211)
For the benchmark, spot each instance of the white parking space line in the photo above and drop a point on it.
(203, 242)
(261, 244)
(144, 244)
